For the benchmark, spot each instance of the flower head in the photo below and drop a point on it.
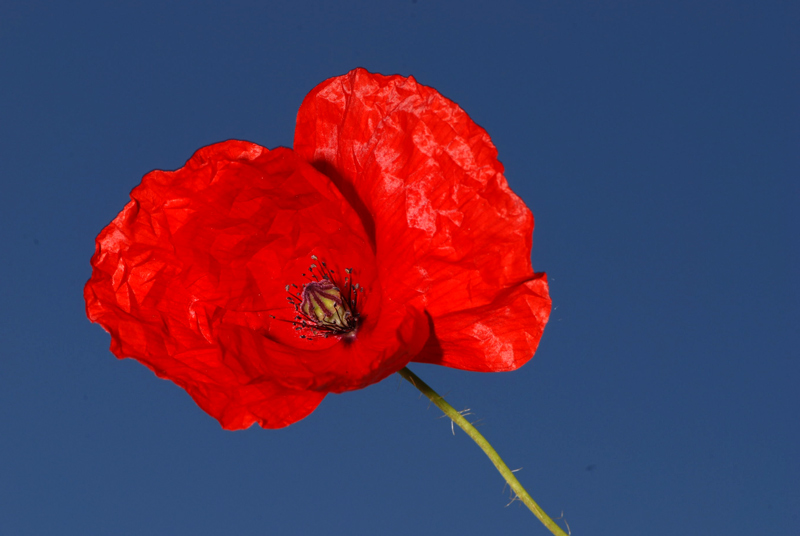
(261, 280)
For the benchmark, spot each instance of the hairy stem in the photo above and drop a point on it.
(476, 436)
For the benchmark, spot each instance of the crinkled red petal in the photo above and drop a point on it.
(190, 279)
(448, 232)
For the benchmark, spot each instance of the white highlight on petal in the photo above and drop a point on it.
(201, 319)
(497, 350)
(253, 152)
(419, 212)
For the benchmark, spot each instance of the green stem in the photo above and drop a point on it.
(476, 436)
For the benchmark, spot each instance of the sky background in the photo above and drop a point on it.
(655, 142)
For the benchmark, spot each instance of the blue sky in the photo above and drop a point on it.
(655, 142)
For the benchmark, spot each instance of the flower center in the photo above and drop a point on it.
(323, 304)
(322, 308)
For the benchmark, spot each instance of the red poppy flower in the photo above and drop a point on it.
(259, 281)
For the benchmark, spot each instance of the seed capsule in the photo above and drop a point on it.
(323, 304)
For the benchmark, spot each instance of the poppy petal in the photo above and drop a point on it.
(448, 232)
(210, 250)
(495, 337)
